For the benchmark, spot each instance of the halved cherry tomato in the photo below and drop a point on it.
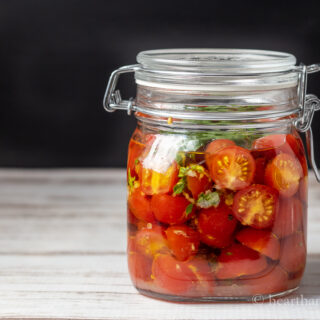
(262, 241)
(216, 226)
(293, 253)
(288, 218)
(256, 206)
(238, 260)
(183, 241)
(232, 168)
(214, 146)
(170, 209)
(153, 182)
(260, 170)
(140, 205)
(171, 275)
(139, 266)
(284, 173)
(275, 280)
(150, 241)
(197, 184)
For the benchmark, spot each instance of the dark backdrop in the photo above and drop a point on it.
(56, 57)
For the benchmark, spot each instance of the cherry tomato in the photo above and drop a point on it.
(268, 145)
(238, 260)
(140, 205)
(288, 218)
(170, 209)
(150, 241)
(202, 277)
(183, 241)
(232, 168)
(216, 226)
(197, 184)
(134, 152)
(139, 266)
(260, 170)
(153, 182)
(293, 253)
(262, 241)
(283, 173)
(275, 280)
(303, 189)
(171, 275)
(256, 206)
(214, 146)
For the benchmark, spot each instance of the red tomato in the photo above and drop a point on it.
(202, 277)
(170, 209)
(276, 280)
(197, 184)
(183, 241)
(259, 173)
(134, 152)
(288, 218)
(214, 146)
(262, 241)
(256, 206)
(139, 266)
(171, 275)
(232, 168)
(303, 189)
(270, 146)
(153, 182)
(216, 226)
(293, 253)
(283, 173)
(238, 260)
(140, 205)
(150, 241)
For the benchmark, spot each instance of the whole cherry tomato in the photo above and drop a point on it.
(263, 241)
(171, 275)
(183, 241)
(232, 168)
(273, 281)
(238, 260)
(284, 173)
(150, 241)
(170, 209)
(216, 226)
(289, 217)
(293, 253)
(139, 266)
(256, 206)
(140, 205)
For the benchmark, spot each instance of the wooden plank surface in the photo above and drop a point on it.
(62, 254)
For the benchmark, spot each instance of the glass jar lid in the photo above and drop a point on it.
(216, 69)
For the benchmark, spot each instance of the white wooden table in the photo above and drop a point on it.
(62, 247)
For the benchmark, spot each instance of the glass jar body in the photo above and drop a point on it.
(216, 210)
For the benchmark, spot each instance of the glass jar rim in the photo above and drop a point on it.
(216, 70)
(217, 61)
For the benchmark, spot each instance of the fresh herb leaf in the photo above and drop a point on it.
(208, 199)
(189, 209)
(131, 179)
(179, 187)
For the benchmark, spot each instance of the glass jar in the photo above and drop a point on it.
(217, 173)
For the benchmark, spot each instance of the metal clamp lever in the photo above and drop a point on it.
(308, 103)
(112, 98)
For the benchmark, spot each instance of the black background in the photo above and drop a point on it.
(56, 57)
